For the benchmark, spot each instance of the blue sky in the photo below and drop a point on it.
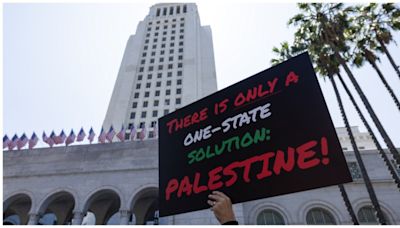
(61, 60)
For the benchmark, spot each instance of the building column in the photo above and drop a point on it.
(33, 219)
(78, 217)
(124, 217)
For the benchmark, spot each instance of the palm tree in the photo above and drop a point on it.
(366, 43)
(374, 139)
(379, 21)
(285, 52)
(322, 28)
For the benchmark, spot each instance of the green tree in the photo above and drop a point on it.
(321, 27)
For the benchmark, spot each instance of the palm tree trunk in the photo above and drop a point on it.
(396, 68)
(348, 204)
(367, 181)
(386, 84)
(368, 106)
(374, 139)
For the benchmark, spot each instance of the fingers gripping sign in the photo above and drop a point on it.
(221, 205)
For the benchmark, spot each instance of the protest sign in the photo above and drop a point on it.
(268, 135)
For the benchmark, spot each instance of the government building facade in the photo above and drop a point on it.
(167, 64)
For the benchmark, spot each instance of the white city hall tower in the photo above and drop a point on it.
(167, 63)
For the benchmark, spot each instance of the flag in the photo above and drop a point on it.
(6, 141)
(81, 135)
(155, 131)
(33, 141)
(142, 133)
(121, 134)
(110, 134)
(44, 137)
(13, 142)
(59, 139)
(22, 141)
(133, 132)
(102, 136)
(71, 138)
(91, 135)
(50, 140)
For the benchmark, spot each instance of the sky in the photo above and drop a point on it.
(60, 61)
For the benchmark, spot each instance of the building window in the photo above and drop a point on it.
(173, 26)
(162, 45)
(136, 95)
(181, 30)
(166, 101)
(134, 105)
(165, 21)
(170, 66)
(157, 93)
(162, 52)
(143, 115)
(159, 75)
(149, 29)
(155, 103)
(151, 60)
(144, 54)
(137, 86)
(179, 65)
(149, 76)
(150, 68)
(367, 216)
(158, 22)
(171, 10)
(160, 67)
(145, 47)
(178, 10)
(168, 92)
(361, 147)
(164, 33)
(155, 40)
(141, 69)
(171, 44)
(179, 73)
(157, 27)
(178, 101)
(166, 111)
(154, 46)
(133, 114)
(164, 39)
(181, 43)
(165, 26)
(146, 94)
(146, 41)
(178, 91)
(182, 24)
(181, 37)
(156, 34)
(173, 32)
(153, 53)
(161, 59)
(171, 51)
(180, 50)
(180, 57)
(142, 61)
(145, 104)
(148, 85)
(164, 11)
(169, 74)
(171, 58)
(354, 170)
(270, 217)
(168, 82)
(148, 35)
(184, 9)
(182, 18)
(140, 77)
(319, 216)
(179, 82)
(158, 13)
(158, 84)
(155, 113)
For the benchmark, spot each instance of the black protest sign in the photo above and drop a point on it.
(268, 135)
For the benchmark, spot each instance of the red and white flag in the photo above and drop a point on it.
(33, 141)
(102, 136)
(6, 141)
(13, 142)
(133, 132)
(50, 140)
(110, 134)
(22, 141)
(71, 138)
(142, 133)
(81, 135)
(91, 135)
(121, 134)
